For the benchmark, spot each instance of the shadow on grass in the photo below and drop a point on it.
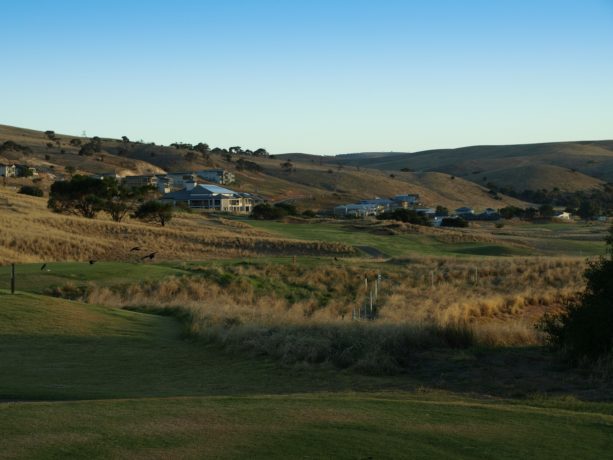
(47, 367)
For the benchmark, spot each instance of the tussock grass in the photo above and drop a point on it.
(304, 313)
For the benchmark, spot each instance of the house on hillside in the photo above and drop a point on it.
(216, 175)
(178, 180)
(140, 181)
(405, 201)
(465, 212)
(356, 210)
(7, 170)
(380, 204)
(211, 198)
(428, 212)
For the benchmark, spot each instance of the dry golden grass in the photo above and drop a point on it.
(32, 233)
(501, 298)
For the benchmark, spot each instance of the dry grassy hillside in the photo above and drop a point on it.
(311, 182)
(566, 165)
(29, 232)
(315, 185)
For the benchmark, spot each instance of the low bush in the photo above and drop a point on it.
(30, 190)
(583, 330)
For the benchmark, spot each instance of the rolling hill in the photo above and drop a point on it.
(312, 182)
(569, 166)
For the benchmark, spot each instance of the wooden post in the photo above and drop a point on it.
(12, 278)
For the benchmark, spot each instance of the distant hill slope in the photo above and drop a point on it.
(566, 165)
(311, 181)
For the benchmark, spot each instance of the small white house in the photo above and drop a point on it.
(8, 170)
(562, 215)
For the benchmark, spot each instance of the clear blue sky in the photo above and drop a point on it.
(311, 76)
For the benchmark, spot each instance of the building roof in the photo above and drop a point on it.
(198, 192)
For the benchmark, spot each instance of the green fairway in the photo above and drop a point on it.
(389, 245)
(84, 381)
(30, 277)
(526, 239)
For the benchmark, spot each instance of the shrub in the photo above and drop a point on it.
(30, 190)
(265, 211)
(154, 212)
(584, 329)
(454, 222)
(406, 215)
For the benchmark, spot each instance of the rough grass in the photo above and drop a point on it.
(35, 235)
(303, 313)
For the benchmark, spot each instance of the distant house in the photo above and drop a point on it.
(429, 212)
(113, 175)
(8, 170)
(140, 181)
(464, 211)
(437, 221)
(380, 204)
(562, 215)
(217, 175)
(356, 210)
(404, 201)
(211, 198)
(178, 180)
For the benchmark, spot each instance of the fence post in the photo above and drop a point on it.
(12, 278)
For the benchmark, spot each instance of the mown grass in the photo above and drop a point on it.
(30, 277)
(557, 239)
(301, 426)
(137, 389)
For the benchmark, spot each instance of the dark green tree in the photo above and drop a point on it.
(587, 209)
(584, 329)
(82, 195)
(154, 212)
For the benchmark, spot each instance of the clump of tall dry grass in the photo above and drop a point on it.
(295, 313)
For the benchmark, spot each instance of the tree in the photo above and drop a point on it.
(584, 329)
(50, 134)
(454, 222)
(405, 215)
(235, 150)
(30, 190)
(82, 195)
(70, 169)
(587, 209)
(125, 139)
(546, 210)
(265, 211)
(202, 148)
(154, 212)
(260, 153)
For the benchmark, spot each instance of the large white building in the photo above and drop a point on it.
(211, 198)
